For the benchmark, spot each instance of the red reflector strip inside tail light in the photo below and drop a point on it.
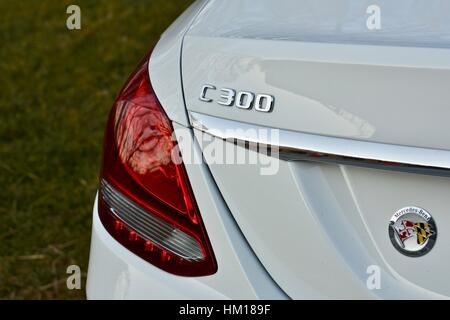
(146, 202)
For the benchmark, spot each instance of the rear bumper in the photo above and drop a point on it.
(116, 273)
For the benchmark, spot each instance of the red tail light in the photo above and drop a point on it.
(146, 202)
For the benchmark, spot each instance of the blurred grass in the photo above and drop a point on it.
(56, 88)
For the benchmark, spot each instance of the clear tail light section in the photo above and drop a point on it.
(145, 200)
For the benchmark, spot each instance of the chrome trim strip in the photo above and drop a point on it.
(292, 146)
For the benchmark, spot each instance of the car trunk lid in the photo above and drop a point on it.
(321, 228)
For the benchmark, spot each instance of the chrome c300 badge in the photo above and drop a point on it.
(412, 231)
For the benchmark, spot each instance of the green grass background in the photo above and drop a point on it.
(56, 88)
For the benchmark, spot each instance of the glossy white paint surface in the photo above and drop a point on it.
(318, 227)
(394, 95)
(165, 62)
(422, 23)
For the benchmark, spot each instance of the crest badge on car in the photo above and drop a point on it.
(412, 231)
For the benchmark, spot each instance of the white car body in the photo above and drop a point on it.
(313, 229)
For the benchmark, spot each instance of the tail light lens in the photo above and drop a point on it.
(146, 202)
